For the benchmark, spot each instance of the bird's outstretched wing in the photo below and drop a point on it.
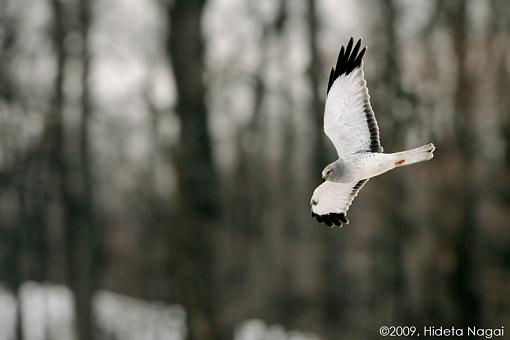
(349, 121)
(331, 200)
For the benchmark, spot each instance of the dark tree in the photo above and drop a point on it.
(74, 172)
(463, 279)
(12, 229)
(316, 78)
(191, 236)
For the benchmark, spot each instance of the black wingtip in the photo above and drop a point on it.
(331, 78)
(359, 58)
(335, 220)
(337, 69)
(348, 60)
(331, 219)
(354, 53)
(349, 46)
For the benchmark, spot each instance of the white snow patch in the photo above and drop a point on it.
(258, 330)
(47, 313)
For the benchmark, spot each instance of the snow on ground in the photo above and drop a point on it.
(47, 310)
(48, 313)
(7, 315)
(258, 330)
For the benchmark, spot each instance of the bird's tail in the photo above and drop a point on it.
(420, 154)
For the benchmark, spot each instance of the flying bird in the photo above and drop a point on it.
(350, 124)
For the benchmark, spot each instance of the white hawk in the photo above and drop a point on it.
(350, 124)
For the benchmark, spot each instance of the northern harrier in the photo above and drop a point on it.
(350, 124)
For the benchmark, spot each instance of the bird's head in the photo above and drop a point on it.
(327, 172)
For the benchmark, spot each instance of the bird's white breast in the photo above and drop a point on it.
(368, 164)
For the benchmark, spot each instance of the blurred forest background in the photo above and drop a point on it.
(167, 151)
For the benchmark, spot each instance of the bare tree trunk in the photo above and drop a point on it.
(316, 78)
(75, 191)
(462, 281)
(87, 240)
(193, 233)
(14, 230)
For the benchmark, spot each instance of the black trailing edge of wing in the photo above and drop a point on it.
(348, 60)
(375, 143)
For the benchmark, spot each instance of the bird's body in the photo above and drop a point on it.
(365, 165)
(350, 124)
